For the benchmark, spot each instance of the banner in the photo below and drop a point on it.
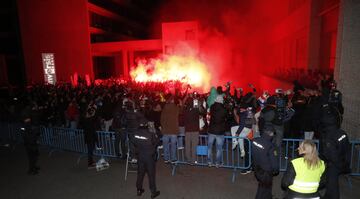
(49, 68)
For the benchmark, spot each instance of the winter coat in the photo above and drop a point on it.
(170, 119)
(218, 116)
(72, 112)
(89, 125)
(191, 119)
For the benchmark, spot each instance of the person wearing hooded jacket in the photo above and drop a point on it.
(217, 130)
(212, 97)
(146, 143)
(335, 150)
(169, 120)
(30, 136)
(90, 125)
(265, 162)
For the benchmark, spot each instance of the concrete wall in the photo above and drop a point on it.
(55, 26)
(347, 69)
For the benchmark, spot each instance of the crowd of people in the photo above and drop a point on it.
(172, 109)
(309, 78)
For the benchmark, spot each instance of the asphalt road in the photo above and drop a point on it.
(61, 178)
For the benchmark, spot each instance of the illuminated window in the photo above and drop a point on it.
(49, 68)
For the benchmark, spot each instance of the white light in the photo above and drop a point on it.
(49, 68)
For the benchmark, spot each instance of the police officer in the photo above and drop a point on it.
(265, 162)
(130, 125)
(90, 125)
(335, 150)
(146, 143)
(30, 136)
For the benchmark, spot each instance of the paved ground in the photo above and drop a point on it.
(61, 178)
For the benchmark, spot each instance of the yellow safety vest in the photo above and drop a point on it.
(306, 180)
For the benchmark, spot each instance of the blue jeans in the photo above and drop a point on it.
(173, 140)
(181, 136)
(219, 147)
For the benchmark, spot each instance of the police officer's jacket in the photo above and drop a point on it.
(264, 154)
(336, 149)
(145, 142)
(131, 120)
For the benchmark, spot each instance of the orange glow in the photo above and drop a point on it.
(186, 69)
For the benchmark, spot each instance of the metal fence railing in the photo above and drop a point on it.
(355, 157)
(64, 139)
(231, 158)
(288, 151)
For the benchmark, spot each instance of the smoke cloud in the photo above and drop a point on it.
(233, 34)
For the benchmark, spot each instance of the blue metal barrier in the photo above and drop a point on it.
(63, 139)
(73, 140)
(288, 151)
(106, 144)
(15, 133)
(230, 159)
(355, 158)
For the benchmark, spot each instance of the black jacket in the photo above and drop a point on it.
(217, 119)
(131, 120)
(90, 125)
(154, 116)
(191, 119)
(119, 118)
(30, 136)
(145, 142)
(311, 115)
(336, 149)
(264, 155)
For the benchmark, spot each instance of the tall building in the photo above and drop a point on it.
(304, 37)
(11, 66)
(65, 31)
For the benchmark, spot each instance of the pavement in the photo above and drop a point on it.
(61, 178)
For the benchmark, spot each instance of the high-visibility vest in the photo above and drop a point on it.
(306, 180)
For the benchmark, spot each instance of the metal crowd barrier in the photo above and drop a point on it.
(63, 139)
(231, 158)
(355, 158)
(15, 134)
(106, 144)
(73, 140)
(288, 151)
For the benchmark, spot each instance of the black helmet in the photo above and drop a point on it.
(330, 116)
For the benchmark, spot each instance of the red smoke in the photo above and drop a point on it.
(233, 34)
